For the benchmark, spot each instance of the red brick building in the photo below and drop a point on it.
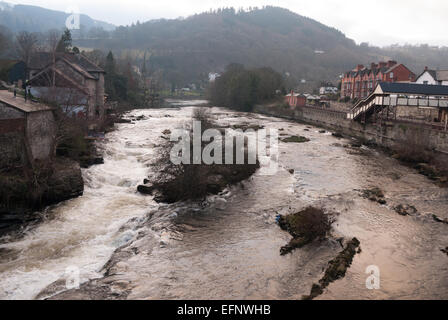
(361, 81)
(295, 99)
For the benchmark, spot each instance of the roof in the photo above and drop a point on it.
(442, 75)
(295, 95)
(437, 75)
(19, 103)
(59, 73)
(414, 88)
(8, 64)
(40, 60)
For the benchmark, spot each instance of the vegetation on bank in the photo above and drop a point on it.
(188, 181)
(305, 226)
(241, 89)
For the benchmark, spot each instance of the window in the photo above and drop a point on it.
(425, 82)
(391, 75)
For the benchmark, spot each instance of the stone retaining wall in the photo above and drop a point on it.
(392, 134)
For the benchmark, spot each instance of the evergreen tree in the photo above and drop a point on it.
(66, 42)
(110, 64)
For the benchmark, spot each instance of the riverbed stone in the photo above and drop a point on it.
(405, 210)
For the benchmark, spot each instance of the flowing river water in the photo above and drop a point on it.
(228, 246)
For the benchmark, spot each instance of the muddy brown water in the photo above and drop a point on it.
(228, 246)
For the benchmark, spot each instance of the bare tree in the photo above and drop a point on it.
(3, 41)
(70, 112)
(26, 46)
(53, 39)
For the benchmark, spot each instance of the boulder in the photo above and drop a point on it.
(405, 210)
(146, 188)
(65, 183)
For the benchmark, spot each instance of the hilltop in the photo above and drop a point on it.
(37, 19)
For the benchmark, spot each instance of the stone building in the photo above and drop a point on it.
(71, 80)
(27, 131)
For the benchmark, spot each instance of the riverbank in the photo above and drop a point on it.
(24, 192)
(416, 146)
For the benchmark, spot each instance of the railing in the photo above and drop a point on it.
(380, 100)
(363, 106)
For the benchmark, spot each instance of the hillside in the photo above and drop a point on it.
(272, 36)
(36, 19)
(187, 50)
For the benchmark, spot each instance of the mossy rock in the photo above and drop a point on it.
(295, 139)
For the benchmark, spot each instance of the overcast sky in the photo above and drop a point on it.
(379, 22)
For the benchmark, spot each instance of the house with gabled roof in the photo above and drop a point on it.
(361, 81)
(69, 79)
(433, 77)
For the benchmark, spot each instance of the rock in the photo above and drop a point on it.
(374, 194)
(445, 250)
(146, 188)
(247, 126)
(405, 210)
(322, 131)
(123, 121)
(337, 135)
(87, 162)
(65, 183)
(336, 268)
(443, 179)
(167, 132)
(437, 219)
(295, 139)
(291, 171)
(427, 170)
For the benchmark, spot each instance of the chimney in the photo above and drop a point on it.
(373, 66)
(360, 67)
(426, 68)
(391, 63)
(382, 64)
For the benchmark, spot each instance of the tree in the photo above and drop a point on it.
(52, 44)
(4, 39)
(110, 64)
(241, 89)
(66, 42)
(26, 46)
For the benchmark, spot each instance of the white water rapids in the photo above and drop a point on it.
(234, 252)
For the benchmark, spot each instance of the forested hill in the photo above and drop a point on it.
(271, 36)
(36, 19)
(188, 49)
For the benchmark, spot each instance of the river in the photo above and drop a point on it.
(228, 246)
